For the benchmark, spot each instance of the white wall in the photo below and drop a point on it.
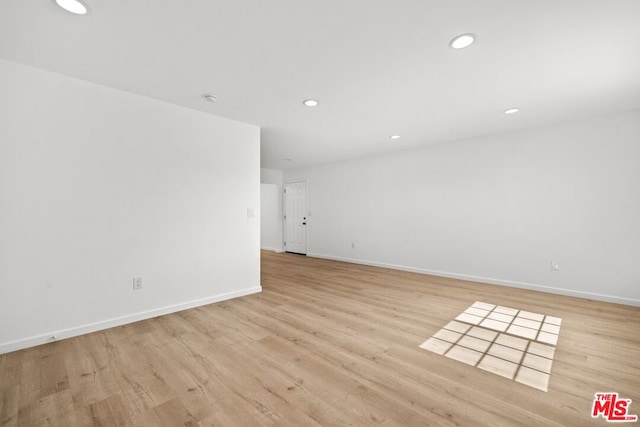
(270, 217)
(497, 209)
(98, 186)
(271, 176)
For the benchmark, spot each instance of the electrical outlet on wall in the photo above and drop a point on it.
(353, 245)
(555, 266)
(137, 283)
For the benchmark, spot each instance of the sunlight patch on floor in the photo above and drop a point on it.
(512, 343)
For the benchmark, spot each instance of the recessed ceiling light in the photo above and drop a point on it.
(511, 110)
(73, 6)
(394, 136)
(209, 97)
(310, 102)
(462, 41)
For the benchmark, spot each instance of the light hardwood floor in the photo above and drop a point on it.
(325, 343)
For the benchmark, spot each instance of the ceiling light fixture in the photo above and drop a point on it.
(394, 136)
(310, 102)
(209, 97)
(73, 6)
(462, 41)
(511, 110)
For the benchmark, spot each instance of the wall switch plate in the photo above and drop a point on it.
(251, 213)
(555, 266)
(137, 283)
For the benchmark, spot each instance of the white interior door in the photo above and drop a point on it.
(295, 217)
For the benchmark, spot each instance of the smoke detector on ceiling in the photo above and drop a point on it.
(209, 97)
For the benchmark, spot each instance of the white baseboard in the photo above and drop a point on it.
(277, 250)
(511, 283)
(118, 321)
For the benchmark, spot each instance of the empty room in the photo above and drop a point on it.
(319, 213)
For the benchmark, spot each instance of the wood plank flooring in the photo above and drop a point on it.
(325, 343)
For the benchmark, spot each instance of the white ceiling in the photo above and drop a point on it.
(378, 67)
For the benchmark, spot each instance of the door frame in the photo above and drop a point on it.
(284, 212)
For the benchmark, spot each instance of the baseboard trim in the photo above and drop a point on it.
(489, 280)
(119, 321)
(268, 248)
